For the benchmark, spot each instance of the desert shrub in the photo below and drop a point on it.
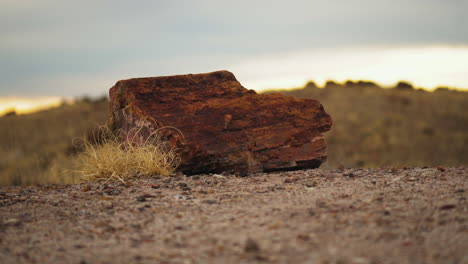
(404, 86)
(117, 158)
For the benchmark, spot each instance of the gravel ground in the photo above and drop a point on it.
(417, 215)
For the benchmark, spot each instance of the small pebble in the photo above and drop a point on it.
(12, 221)
(107, 204)
(141, 198)
(251, 246)
(142, 207)
(447, 206)
(303, 237)
(114, 192)
(291, 180)
(243, 174)
(210, 201)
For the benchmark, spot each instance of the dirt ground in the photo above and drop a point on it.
(417, 215)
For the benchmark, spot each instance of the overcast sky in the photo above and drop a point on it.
(72, 48)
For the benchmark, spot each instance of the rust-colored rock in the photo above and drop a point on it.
(220, 125)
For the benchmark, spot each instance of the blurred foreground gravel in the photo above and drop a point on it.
(417, 215)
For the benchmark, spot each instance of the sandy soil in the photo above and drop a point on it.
(315, 216)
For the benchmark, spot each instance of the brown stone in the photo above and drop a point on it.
(217, 125)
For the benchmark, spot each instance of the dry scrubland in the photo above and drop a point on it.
(373, 127)
(38, 148)
(376, 127)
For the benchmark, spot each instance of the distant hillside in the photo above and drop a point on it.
(402, 126)
(38, 147)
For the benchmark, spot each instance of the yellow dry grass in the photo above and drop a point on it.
(120, 159)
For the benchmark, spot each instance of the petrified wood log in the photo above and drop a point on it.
(217, 125)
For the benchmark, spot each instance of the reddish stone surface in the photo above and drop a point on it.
(217, 125)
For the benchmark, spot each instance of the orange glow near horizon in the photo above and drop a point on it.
(425, 67)
(26, 105)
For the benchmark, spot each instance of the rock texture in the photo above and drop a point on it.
(217, 125)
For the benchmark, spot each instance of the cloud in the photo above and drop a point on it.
(427, 66)
(52, 39)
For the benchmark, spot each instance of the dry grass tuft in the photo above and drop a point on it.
(117, 159)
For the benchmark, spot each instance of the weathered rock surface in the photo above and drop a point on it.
(217, 125)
